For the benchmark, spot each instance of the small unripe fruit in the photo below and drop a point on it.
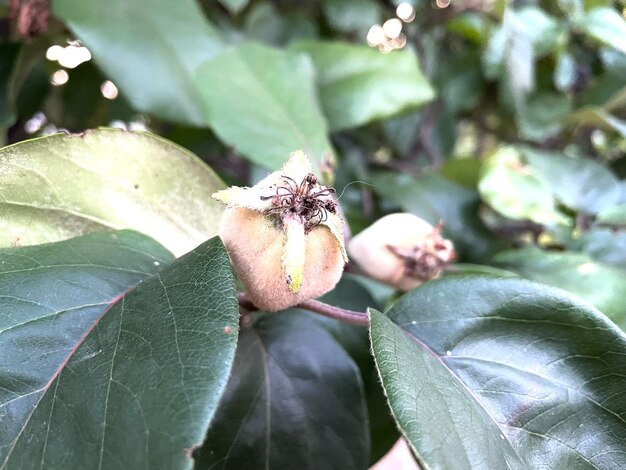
(284, 236)
(255, 244)
(401, 250)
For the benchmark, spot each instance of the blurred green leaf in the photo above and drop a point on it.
(156, 78)
(463, 171)
(582, 184)
(614, 215)
(546, 33)
(605, 25)
(601, 285)
(268, 106)
(459, 83)
(511, 187)
(359, 84)
(402, 131)
(565, 73)
(61, 186)
(503, 373)
(598, 117)
(542, 115)
(352, 15)
(494, 53)
(572, 8)
(264, 23)
(605, 245)
(235, 6)
(471, 25)
(434, 198)
(9, 54)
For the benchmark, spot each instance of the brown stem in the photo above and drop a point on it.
(341, 314)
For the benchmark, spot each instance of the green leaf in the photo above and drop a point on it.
(434, 198)
(503, 373)
(572, 8)
(606, 246)
(267, 108)
(351, 293)
(149, 48)
(614, 215)
(545, 31)
(140, 384)
(50, 295)
(471, 25)
(542, 115)
(463, 171)
(511, 187)
(463, 269)
(9, 54)
(599, 284)
(565, 72)
(460, 82)
(359, 84)
(598, 117)
(295, 399)
(235, 6)
(62, 186)
(605, 25)
(350, 16)
(582, 184)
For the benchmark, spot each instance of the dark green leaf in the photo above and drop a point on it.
(351, 294)
(57, 187)
(503, 373)
(603, 286)
(295, 400)
(434, 198)
(9, 54)
(460, 83)
(139, 385)
(50, 295)
(267, 108)
(359, 84)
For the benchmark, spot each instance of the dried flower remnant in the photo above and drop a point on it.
(284, 236)
(402, 250)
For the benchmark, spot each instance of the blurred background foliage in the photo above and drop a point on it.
(504, 119)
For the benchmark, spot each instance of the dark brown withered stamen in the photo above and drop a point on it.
(302, 200)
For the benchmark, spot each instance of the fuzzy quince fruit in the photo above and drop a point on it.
(284, 236)
(402, 250)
